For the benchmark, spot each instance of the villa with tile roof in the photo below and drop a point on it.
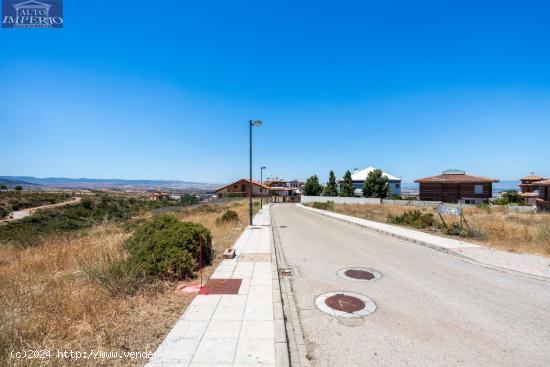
(455, 186)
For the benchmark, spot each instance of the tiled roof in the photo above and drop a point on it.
(529, 194)
(458, 178)
(543, 183)
(256, 183)
(533, 178)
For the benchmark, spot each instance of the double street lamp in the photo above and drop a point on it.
(252, 123)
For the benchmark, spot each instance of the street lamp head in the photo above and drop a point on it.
(256, 122)
(263, 167)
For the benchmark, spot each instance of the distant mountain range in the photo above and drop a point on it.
(100, 183)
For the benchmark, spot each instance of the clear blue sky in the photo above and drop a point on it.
(142, 89)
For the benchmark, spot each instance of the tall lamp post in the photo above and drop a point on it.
(252, 123)
(261, 188)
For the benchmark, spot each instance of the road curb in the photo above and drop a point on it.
(295, 342)
(449, 251)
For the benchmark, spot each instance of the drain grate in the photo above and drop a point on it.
(286, 272)
(359, 274)
(222, 286)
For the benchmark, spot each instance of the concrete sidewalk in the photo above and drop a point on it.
(531, 265)
(244, 329)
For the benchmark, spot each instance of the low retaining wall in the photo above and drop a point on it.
(415, 203)
(367, 201)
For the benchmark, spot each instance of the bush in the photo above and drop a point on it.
(116, 275)
(329, 205)
(228, 217)
(455, 230)
(484, 206)
(188, 199)
(168, 248)
(510, 197)
(87, 203)
(414, 218)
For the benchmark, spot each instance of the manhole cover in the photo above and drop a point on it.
(341, 302)
(359, 274)
(345, 304)
(222, 286)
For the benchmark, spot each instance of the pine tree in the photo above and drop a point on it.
(331, 189)
(347, 189)
(376, 185)
(312, 187)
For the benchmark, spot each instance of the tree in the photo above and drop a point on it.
(189, 199)
(18, 188)
(331, 189)
(3, 187)
(510, 197)
(347, 189)
(376, 185)
(312, 186)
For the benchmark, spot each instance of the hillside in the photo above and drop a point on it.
(99, 183)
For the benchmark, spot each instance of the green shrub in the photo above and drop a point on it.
(414, 218)
(329, 205)
(116, 275)
(188, 199)
(87, 203)
(454, 229)
(510, 197)
(228, 217)
(167, 248)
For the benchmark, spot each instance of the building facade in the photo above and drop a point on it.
(359, 176)
(543, 200)
(455, 186)
(241, 188)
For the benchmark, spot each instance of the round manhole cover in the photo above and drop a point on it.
(359, 274)
(345, 304)
(341, 302)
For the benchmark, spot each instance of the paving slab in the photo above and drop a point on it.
(233, 330)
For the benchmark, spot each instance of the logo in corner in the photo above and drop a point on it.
(32, 14)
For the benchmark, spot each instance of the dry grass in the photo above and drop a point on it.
(48, 302)
(514, 232)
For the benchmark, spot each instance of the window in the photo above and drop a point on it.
(478, 189)
(243, 187)
(397, 186)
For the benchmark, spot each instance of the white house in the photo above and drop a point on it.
(359, 177)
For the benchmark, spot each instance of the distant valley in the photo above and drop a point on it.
(98, 183)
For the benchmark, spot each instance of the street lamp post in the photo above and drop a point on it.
(261, 187)
(251, 123)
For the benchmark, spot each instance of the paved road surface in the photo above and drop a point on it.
(433, 309)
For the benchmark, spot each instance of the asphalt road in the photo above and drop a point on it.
(433, 309)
